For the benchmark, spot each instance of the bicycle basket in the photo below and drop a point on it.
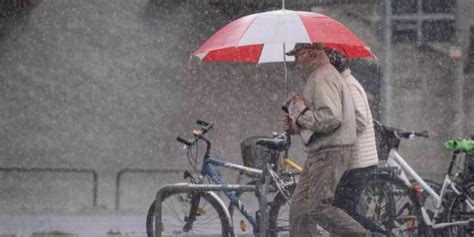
(385, 140)
(254, 155)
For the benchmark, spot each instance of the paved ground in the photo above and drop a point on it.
(78, 226)
(83, 226)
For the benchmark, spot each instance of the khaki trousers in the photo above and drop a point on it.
(313, 200)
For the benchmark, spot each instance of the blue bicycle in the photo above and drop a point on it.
(195, 213)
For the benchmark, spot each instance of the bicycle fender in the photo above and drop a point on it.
(224, 207)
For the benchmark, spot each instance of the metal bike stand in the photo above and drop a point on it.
(263, 189)
(192, 187)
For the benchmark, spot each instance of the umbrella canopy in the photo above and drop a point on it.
(264, 37)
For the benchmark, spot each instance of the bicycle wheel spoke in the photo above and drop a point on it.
(389, 206)
(209, 219)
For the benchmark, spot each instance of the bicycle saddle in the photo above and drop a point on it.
(278, 144)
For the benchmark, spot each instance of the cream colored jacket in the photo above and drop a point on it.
(366, 150)
(330, 121)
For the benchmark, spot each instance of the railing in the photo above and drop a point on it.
(137, 170)
(61, 170)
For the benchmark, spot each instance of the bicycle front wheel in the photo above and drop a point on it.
(211, 219)
(388, 203)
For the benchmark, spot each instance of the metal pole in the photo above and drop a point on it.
(419, 24)
(462, 18)
(286, 71)
(95, 187)
(387, 69)
(262, 187)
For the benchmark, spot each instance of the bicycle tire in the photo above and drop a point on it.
(173, 224)
(429, 203)
(279, 214)
(457, 211)
(392, 205)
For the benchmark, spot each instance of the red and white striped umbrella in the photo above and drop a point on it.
(264, 37)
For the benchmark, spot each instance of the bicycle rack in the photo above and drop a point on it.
(203, 187)
(60, 170)
(136, 170)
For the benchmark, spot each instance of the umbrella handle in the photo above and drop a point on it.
(284, 65)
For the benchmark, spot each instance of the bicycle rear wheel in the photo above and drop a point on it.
(279, 212)
(279, 222)
(458, 210)
(390, 204)
(211, 219)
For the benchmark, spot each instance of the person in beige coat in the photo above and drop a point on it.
(365, 160)
(328, 128)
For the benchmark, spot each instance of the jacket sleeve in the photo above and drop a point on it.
(360, 109)
(324, 112)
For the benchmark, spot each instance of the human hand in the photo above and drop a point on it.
(285, 122)
(288, 124)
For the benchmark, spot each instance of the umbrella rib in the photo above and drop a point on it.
(245, 31)
(304, 26)
(345, 52)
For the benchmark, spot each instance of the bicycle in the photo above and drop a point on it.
(257, 151)
(398, 206)
(201, 211)
(390, 138)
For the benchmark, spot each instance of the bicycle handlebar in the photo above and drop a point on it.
(402, 134)
(198, 134)
(202, 123)
(412, 134)
(184, 141)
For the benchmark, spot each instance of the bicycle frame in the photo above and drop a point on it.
(288, 163)
(208, 170)
(447, 184)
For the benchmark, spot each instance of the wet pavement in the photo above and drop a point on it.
(93, 226)
(78, 226)
(88, 226)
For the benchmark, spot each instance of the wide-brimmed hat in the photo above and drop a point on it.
(300, 46)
